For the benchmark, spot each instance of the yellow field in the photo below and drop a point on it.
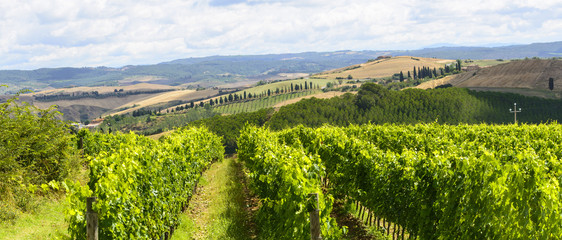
(486, 62)
(385, 67)
(436, 82)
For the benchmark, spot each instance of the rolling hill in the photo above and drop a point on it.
(221, 70)
(194, 72)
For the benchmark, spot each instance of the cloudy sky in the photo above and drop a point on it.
(89, 33)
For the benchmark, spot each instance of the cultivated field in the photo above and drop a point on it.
(435, 83)
(105, 89)
(523, 74)
(180, 95)
(257, 104)
(487, 62)
(384, 67)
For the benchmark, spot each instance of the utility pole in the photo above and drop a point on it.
(515, 111)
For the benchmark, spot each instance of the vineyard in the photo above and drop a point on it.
(266, 102)
(141, 185)
(431, 181)
(423, 181)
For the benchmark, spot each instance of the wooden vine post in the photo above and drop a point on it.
(315, 218)
(91, 220)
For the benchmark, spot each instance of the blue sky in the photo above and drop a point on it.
(89, 33)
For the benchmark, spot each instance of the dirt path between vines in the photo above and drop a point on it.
(221, 207)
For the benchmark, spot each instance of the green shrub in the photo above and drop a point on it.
(35, 148)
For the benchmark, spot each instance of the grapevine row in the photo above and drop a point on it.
(141, 185)
(447, 182)
(283, 177)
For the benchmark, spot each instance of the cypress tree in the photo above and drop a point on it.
(401, 76)
(415, 75)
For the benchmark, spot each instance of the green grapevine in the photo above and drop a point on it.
(283, 176)
(141, 185)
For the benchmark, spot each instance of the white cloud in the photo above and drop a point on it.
(55, 33)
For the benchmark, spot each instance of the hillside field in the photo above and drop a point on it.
(527, 77)
(384, 67)
(180, 95)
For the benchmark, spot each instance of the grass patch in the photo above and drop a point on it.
(45, 222)
(217, 211)
(486, 62)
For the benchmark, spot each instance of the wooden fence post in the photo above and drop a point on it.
(315, 219)
(91, 220)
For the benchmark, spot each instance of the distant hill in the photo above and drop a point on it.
(541, 50)
(205, 72)
(384, 67)
(220, 70)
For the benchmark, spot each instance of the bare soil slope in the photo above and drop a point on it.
(385, 67)
(520, 75)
